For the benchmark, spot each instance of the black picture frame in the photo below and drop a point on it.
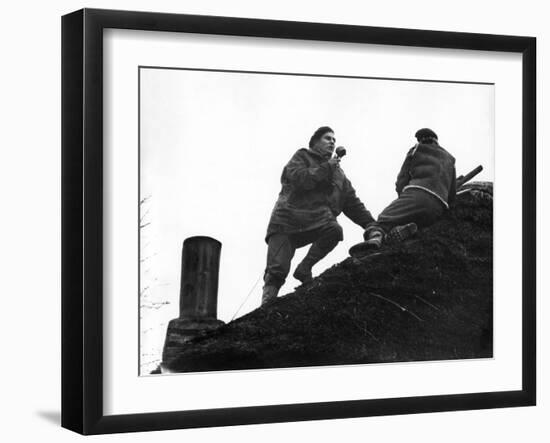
(82, 218)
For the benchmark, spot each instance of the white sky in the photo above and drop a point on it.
(213, 146)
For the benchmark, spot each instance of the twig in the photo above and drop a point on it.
(144, 259)
(427, 302)
(371, 334)
(154, 305)
(144, 199)
(143, 215)
(396, 304)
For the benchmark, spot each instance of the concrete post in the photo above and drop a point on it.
(200, 262)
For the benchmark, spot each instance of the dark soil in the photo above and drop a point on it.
(428, 298)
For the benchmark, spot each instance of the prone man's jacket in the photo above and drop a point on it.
(431, 168)
(313, 194)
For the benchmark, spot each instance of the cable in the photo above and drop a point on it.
(254, 287)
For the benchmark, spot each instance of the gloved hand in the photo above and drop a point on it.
(374, 237)
(373, 231)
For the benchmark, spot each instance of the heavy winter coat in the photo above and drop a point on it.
(431, 168)
(313, 194)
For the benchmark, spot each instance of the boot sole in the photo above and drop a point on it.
(402, 233)
(301, 277)
(361, 249)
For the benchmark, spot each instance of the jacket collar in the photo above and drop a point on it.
(316, 154)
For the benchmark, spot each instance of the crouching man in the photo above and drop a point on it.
(426, 186)
(314, 192)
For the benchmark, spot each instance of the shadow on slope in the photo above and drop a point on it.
(428, 298)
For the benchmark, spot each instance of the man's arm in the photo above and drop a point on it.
(354, 208)
(404, 177)
(303, 176)
(452, 189)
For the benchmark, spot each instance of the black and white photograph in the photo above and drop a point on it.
(270, 221)
(275, 221)
(295, 220)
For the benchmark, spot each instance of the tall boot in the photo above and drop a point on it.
(269, 293)
(315, 254)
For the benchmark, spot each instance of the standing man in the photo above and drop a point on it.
(314, 192)
(426, 186)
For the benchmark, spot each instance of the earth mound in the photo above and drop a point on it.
(427, 298)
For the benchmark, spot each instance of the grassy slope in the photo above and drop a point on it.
(429, 298)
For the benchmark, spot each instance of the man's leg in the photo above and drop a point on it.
(324, 240)
(413, 205)
(279, 255)
(414, 208)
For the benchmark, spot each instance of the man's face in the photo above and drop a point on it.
(325, 145)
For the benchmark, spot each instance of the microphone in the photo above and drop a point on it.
(340, 151)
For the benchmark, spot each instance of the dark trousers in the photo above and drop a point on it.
(281, 249)
(412, 206)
